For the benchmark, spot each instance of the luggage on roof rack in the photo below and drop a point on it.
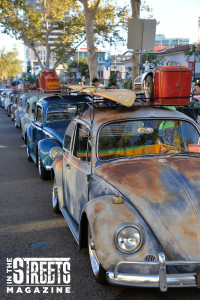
(172, 85)
(48, 82)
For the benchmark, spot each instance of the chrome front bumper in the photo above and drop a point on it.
(161, 280)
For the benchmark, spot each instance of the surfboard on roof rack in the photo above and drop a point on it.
(122, 96)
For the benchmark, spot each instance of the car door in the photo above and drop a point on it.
(76, 170)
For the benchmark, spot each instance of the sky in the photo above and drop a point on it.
(178, 18)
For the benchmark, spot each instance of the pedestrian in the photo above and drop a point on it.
(113, 85)
(197, 88)
(96, 82)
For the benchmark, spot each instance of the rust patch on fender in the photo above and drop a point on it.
(99, 207)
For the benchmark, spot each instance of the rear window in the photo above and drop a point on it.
(61, 112)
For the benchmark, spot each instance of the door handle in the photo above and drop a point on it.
(67, 165)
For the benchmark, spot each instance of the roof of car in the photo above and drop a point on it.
(50, 99)
(102, 115)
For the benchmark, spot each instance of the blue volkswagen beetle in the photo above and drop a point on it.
(53, 113)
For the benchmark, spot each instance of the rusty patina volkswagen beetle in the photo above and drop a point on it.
(128, 186)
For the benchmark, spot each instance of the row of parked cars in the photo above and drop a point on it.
(126, 179)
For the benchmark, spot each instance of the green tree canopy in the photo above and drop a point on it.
(194, 49)
(102, 19)
(82, 66)
(10, 65)
(93, 21)
(35, 25)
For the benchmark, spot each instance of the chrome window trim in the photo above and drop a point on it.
(66, 150)
(74, 137)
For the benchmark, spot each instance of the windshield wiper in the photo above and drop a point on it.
(172, 148)
(175, 150)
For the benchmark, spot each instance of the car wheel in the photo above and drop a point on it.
(55, 198)
(43, 173)
(149, 86)
(28, 154)
(97, 269)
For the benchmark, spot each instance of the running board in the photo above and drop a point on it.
(71, 223)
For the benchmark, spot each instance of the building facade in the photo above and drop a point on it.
(161, 40)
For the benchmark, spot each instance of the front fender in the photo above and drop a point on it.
(57, 175)
(44, 148)
(104, 217)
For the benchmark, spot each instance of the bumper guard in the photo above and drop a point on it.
(161, 280)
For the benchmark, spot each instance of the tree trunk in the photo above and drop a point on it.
(135, 4)
(92, 59)
(90, 12)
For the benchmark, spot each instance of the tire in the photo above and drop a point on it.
(55, 201)
(149, 86)
(28, 154)
(43, 173)
(97, 269)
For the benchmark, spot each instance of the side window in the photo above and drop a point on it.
(39, 115)
(82, 145)
(68, 136)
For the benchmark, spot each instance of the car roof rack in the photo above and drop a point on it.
(109, 98)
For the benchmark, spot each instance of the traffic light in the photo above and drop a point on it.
(28, 69)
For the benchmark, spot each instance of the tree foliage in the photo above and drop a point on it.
(102, 19)
(10, 65)
(34, 26)
(112, 78)
(82, 66)
(194, 49)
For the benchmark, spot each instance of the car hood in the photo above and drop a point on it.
(166, 194)
(57, 130)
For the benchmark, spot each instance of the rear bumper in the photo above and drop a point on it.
(161, 280)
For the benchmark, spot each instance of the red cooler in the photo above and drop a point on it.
(172, 85)
(48, 82)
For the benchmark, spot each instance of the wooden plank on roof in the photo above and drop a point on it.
(122, 96)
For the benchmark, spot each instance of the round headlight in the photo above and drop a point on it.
(55, 152)
(129, 239)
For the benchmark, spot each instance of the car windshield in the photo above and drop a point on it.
(143, 137)
(60, 112)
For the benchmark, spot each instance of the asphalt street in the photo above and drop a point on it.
(26, 218)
